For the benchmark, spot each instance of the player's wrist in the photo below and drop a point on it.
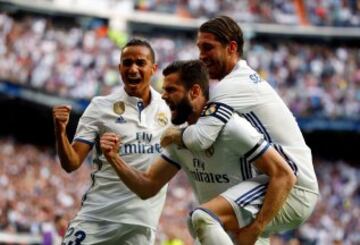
(257, 227)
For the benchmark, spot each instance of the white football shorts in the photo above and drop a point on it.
(247, 197)
(82, 232)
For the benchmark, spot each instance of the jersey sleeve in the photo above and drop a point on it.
(87, 129)
(245, 139)
(169, 154)
(203, 134)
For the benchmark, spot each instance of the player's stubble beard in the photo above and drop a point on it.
(183, 110)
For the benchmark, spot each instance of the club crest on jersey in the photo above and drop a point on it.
(162, 119)
(119, 107)
(210, 109)
(209, 151)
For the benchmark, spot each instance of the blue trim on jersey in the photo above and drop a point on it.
(221, 111)
(291, 163)
(242, 169)
(252, 122)
(260, 153)
(251, 195)
(252, 150)
(92, 176)
(99, 163)
(246, 169)
(209, 212)
(84, 141)
(267, 136)
(171, 161)
(255, 122)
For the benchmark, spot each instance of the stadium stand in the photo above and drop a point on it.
(319, 13)
(314, 79)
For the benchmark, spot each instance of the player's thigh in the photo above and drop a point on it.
(296, 210)
(224, 211)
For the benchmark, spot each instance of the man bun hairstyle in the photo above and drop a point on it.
(225, 30)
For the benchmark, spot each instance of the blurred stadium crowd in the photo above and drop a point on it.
(319, 12)
(314, 79)
(38, 194)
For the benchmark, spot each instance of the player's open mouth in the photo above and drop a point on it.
(134, 81)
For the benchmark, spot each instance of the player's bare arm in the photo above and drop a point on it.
(144, 184)
(281, 181)
(71, 155)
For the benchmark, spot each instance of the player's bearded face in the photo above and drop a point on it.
(213, 54)
(182, 111)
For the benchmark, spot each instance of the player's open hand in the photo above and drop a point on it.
(110, 144)
(61, 114)
(171, 135)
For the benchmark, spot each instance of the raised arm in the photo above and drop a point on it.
(71, 155)
(281, 181)
(144, 184)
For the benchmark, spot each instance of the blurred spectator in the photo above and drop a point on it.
(37, 195)
(318, 13)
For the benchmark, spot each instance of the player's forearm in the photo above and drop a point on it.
(277, 192)
(68, 157)
(136, 181)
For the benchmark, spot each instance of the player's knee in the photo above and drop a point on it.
(200, 218)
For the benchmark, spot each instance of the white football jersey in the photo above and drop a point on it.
(243, 91)
(225, 164)
(140, 129)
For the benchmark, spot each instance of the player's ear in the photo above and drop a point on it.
(195, 91)
(154, 68)
(232, 47)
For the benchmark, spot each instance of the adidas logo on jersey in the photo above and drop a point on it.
(120, 120)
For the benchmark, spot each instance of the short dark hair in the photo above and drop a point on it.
(190, 72)
(225, 30)
(140, 42)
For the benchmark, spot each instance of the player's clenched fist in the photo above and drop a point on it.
(61, 115)
(110, 143)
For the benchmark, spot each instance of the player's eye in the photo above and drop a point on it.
(127, 63)
(206, 47)
(141, 63)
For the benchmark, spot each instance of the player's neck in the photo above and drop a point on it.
(146, 97)
(231, 65)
